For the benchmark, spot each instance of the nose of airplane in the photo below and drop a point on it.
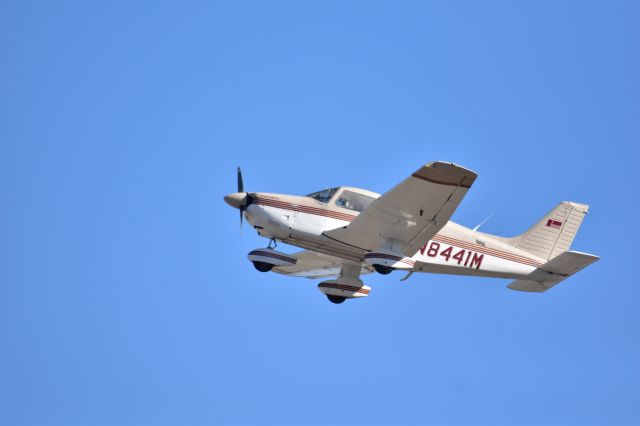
(236, 200)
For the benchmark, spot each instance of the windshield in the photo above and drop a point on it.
(323, 196)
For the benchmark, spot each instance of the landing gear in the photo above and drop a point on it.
(347, 285)
(263, 266)
(382, 269)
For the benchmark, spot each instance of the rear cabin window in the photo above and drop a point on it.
(353, 201)
(323, 196)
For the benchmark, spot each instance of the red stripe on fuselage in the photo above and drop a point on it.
(438, 237)
(304, 209)
(485, 250)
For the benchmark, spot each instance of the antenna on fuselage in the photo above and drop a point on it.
(483, 222)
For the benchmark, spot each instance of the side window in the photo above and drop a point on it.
(323, 196)
(353, 201)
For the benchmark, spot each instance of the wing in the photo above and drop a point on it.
(311, 264)
(412, 212)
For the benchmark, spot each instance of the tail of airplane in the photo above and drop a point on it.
(551, 239)
(554, 233)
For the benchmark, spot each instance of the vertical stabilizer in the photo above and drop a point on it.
(554, 233)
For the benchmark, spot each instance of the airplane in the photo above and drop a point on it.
(348, 232)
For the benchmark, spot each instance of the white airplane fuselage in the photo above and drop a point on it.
(455, 249)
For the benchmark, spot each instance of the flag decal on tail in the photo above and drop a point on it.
(554, 224)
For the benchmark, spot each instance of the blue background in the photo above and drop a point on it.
(125, 293)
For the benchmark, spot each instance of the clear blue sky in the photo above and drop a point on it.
(125, 293)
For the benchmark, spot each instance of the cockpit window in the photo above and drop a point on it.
(353, 201)
(323, 196)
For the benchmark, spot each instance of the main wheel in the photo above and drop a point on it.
(335, 299)
(263, 266)
(382, 269)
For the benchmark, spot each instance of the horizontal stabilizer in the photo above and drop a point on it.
(551, 273)
(568, 263)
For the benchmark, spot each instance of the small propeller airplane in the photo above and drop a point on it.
(347, 232)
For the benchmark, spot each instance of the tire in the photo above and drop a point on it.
(335, 299)
(263, 266)
(382, 269)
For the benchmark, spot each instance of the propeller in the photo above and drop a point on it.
(240, 183)
(241, 189)
(241, 199)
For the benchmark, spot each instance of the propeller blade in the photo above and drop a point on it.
(240, 183)
(241, 214)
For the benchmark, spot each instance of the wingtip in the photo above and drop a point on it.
(446, 173)
(450, 166)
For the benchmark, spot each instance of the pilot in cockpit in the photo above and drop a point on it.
(344, 202)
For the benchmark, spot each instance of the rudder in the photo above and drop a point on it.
(554, 233)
